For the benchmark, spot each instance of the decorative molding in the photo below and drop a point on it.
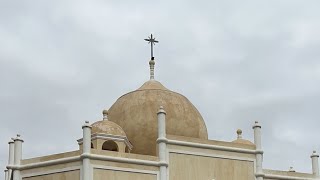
(214, 147)
(46, 163)
(90, 156)
(161, 139)
(280, 177)
(124, 160)
(211, 155)
(68, 169)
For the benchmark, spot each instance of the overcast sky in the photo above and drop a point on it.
(63, 62)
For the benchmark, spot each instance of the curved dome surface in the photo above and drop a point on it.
(243, 141)
(107, 127)
(136, 113)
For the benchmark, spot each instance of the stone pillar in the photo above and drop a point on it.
(17, 157)
(315, 163)
(6, 174)
(10, 159)
(162, 143)
(259, 153)
(86, 148)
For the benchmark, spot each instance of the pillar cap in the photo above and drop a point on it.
(314, 154)
(256, 125)
(18, 138)
(161, 110)
(86, 125)
(11, 141)
(291, 169)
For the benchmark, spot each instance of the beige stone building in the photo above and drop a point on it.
(152, 133)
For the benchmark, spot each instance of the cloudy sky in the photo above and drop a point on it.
(62, 62)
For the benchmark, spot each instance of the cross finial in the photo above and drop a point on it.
(151, 41)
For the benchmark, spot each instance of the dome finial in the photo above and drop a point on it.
(239, 132)
(152, 41)
(105, 114)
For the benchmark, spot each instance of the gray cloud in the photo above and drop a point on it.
(62, 62)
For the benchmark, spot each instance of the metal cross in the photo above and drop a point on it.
(151, 41)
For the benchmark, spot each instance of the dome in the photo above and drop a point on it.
(107, 127)
(243, 141)
(240, 140)
(136, 113)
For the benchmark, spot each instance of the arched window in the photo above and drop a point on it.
(110, 146)
(92, 146)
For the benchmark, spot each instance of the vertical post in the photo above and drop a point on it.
(6, 174)
(315, 163)
(11, 158)
(17, 157)
(86, 148)
(151, 47)
(259, 153)
(162, 143)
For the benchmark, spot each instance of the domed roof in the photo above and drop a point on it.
(239, 140)
(243, 141)
(152, 84)
(136, 113)
(107, 127)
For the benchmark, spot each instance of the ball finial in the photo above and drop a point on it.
(152, 62)
(239, 133)
(105, 114)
